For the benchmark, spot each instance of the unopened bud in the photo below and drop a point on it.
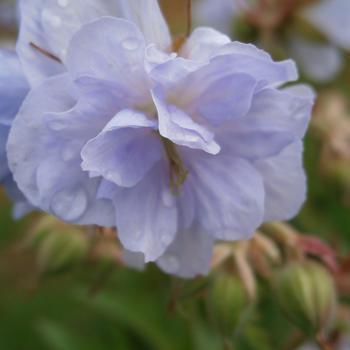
(228, 302)
(58, 245)
(306, 293)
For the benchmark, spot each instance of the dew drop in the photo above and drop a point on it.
(69, 205)
(51, 19)
(130, 44)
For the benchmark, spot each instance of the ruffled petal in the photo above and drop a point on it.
(285, 182)
(237, 57)
(102, 63)
(50, 24)
(146, 14)
(146, 218)
(229, 196)
(178, 127)
(46, 166)
(202, 43)
(189, 255)
(216, 101)
(276, 119)
(125, 150)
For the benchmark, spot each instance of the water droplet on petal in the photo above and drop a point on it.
(51, 19)
(171, 262)
(130, 43)
(69, 205)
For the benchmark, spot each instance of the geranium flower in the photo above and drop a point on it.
(320, 60)
(13, 89)
(174, 149)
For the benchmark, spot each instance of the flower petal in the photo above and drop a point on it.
(125, 150)
(284, 181)
(229, 196)
(237, 57)
(202, 43)
(189, 255)
(221, 100)
(146, 14)
(276, 119)
(116, 63)
(50, 177)
(50, 24)
(146, 222)
(178, 127)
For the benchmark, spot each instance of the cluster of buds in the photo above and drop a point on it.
(60, 247)
(299, 269)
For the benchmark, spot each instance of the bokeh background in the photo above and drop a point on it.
(65, 289)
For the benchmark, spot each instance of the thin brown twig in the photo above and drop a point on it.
(45, 52)
(189, 18)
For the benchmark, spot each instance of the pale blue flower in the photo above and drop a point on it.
(320, 61)
(13, 89)
(177, 150)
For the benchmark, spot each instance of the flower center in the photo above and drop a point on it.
(178, 172)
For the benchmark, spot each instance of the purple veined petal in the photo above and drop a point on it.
(285, 182)
(276, 119)
(202, 43)
(219, 101)
(237, 57)
(125, 150)
(50, 24)
(178, 127)
(145, 222)
(332, 17)
(173, 71)
(189, 255)
(39, 165)
(321, 62)
(229, 196)
(13, 86)
(254, 71)
(147, 15)
(115, 61)
(155, 57)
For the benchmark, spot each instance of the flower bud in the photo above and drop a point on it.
(58, 245)
(306, 293)
(228, 302)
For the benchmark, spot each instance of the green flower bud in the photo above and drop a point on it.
(228, 303)
(307, 295)
(58, 245)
